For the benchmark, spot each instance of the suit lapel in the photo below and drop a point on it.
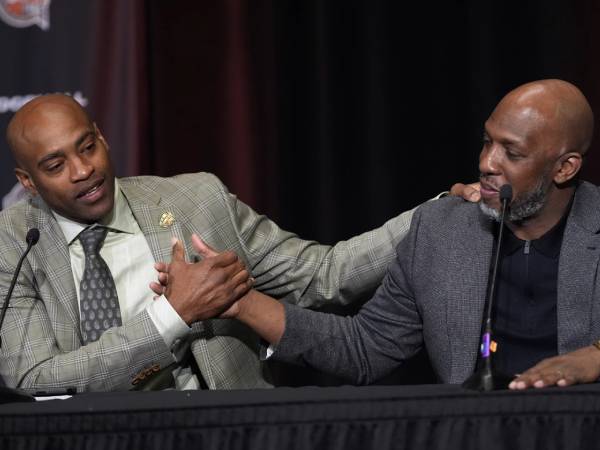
(51, 255)
(225, 362)
(469, 265)
(577, 272)
(148, 210)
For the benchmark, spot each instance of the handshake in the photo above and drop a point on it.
(205, 289)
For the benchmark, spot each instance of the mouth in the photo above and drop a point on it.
(92, 192)
(488, 190)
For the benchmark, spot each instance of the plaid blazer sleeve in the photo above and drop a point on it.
(284, 265)
(310, 274)
(41, 343)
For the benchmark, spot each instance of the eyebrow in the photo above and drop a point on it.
(84, 136)
(49, 156)
(61, 153)
(504, 139)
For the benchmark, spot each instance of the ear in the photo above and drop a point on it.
(25, 180)
(97, 130)
(568, 166)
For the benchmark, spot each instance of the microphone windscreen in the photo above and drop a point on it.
(506, 192)
(33, 236)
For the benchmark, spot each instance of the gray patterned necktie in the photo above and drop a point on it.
(97, 293)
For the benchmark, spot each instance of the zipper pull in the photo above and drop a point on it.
(526, 249)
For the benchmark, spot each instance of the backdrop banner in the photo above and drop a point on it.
(71, 47)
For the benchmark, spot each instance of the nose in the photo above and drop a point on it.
(80, 169)
(489, 160)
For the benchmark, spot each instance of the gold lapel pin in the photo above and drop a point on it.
(166, 220)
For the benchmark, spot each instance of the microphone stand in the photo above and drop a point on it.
(486, 378)
(10, 395)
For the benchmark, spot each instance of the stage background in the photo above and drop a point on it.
(328, 116)
(333, 116)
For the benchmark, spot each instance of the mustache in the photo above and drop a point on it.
(89, 186)
(486, 180)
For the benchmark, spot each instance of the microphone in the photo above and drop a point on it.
(33, 235)
(32, 238)
(486, 379)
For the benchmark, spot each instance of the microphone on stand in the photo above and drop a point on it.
(8, 395)
(486, 378)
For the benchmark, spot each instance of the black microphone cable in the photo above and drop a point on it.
(33, 235)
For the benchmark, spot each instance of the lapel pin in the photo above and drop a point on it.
(166, 220)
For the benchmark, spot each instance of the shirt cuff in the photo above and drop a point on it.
(168, 323)
(270, 350)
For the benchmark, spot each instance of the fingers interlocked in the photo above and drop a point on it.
(203, 289)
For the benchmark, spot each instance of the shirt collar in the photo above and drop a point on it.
(119, 219)
(549, 244)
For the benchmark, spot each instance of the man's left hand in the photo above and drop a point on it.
(580, 366)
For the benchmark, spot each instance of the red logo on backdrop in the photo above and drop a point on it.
(25, 13)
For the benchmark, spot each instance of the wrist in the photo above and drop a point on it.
(594, 356)
(182, 312)
(595, 351)
(244, 306)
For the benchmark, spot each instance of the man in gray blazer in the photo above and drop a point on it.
(547, 313)
(56, 333)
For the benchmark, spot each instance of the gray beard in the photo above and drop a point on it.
(525, 206)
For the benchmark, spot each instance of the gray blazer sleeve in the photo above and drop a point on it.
(363, 348)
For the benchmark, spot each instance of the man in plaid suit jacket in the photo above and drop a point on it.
(63, 162)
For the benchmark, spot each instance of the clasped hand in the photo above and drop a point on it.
(204, 289)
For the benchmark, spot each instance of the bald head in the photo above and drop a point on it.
(534, 140)
(555, 107)
(62, 157)
(33, 120)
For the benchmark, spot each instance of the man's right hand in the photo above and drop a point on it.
(470, 192)
(205, 289)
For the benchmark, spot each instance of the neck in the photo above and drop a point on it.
(535, 227)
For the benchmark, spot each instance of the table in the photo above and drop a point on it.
(375, 417)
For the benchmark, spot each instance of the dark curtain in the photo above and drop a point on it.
(328, 116)
(117, 80)
(334, 116)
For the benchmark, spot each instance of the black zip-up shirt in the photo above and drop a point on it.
(524, 316)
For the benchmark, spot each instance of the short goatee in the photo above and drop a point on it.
(523, 207)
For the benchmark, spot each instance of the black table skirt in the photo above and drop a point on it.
(378, 417)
